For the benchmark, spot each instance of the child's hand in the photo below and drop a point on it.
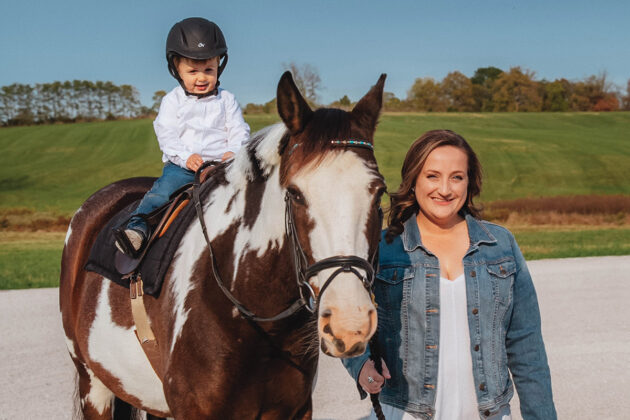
(226, 156)
(194, 162)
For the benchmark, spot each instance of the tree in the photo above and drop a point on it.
(483, 81)
(343, 103)
(306, 78)
(458, 92)
(157, 100)
(426, 95)
(556, 95)
(516, 91)
(392, 103)
(626, 99)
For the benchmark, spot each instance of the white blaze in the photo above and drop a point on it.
(117, 349)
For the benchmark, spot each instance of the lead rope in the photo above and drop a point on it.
(375, 356)
(375, 349)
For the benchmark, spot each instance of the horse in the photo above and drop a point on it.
(279, 264)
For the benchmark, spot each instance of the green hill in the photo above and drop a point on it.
(55, 168)
(46, 172)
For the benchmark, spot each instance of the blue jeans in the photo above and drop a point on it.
(173, 177)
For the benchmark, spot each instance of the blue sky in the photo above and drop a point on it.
(350, 42)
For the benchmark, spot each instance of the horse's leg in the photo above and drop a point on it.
(306, 412)
(96, 399)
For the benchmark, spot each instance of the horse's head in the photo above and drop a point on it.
(333, 198)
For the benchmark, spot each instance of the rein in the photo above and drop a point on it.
(241, 308)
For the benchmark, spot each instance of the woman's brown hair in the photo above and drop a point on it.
(403, 201)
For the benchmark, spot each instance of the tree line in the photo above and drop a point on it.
(69, 101)
(490, 89)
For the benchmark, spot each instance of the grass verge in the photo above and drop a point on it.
(32, 259)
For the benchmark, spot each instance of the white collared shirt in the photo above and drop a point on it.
(209, 126)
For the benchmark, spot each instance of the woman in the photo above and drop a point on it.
(457, 309)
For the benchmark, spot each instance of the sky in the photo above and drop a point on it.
(349, 42)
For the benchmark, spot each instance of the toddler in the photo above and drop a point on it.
(197, 121)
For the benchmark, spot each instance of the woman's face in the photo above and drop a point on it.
(442, 185)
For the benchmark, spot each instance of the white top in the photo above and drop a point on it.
(208, 126)
(455, 394)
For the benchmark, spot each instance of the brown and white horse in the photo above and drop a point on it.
(304, 176)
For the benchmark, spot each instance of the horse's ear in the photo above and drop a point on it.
(292, 107)
(366, 111)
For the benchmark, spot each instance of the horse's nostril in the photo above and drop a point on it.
(339, 345)
(327, 329)
(356, 350)
(370, 312)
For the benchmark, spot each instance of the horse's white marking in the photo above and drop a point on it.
(267, 150)
(117, 349)
(187, 254)
(268, 231)
(100, 397)
(70, 345)
(339, 221)
(69, 232)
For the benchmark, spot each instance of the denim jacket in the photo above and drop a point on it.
(503, 321)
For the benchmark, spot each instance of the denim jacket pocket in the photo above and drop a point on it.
(502, 275)
(395, 274)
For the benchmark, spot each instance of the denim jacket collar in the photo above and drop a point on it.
(477, 233)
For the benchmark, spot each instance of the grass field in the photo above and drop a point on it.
(46, 172)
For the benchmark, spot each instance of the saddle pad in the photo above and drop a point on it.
(158, 258)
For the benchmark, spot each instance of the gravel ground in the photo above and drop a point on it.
(584, 304)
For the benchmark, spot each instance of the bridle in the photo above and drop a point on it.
(304, 271)
(308, 299)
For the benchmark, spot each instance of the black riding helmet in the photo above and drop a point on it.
(198, 39)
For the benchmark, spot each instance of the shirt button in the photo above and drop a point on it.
(475, 311)
(473, 273)
(482, 386)
(477, 347)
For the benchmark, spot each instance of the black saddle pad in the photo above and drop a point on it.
(157, 259)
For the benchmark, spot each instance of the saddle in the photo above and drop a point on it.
(170, 222)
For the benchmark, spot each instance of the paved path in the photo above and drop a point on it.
(585, 306)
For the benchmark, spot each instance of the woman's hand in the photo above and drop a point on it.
(226, 156)
(194, 162)
(370, 380)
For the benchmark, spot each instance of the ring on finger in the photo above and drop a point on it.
(370, 379)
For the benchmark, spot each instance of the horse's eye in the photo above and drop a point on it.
(295, 195)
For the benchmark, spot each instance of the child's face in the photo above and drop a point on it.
(199, 77)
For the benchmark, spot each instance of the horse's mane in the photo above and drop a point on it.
(263, 152)
(259, 156)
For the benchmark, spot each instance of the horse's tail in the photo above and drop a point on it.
(375, 355)
(77, 412)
